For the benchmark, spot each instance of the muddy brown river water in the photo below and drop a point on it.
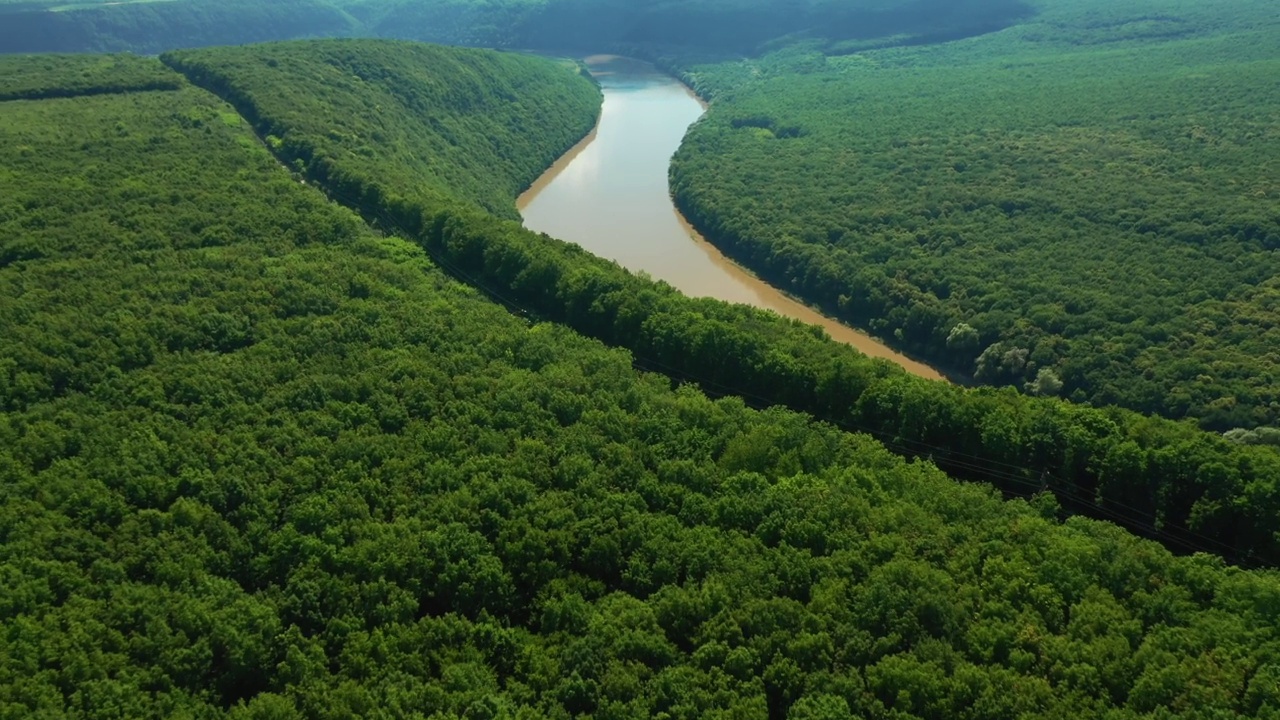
(609, 194)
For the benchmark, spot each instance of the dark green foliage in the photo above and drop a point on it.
(716, 26)
(450, 124)
(149, 26)
(720, 26)
(259, 462)
(1192, 489)
(71, 75)
(1106, 213)
(393, 498)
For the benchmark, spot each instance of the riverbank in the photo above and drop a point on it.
(609, 194)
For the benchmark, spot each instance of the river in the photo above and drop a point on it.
(609, 194)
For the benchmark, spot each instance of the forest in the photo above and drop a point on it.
(1066, 198)
(297, 421)
(49, 76)
(290, 468)
(450, 124)
(1091, 196)
(1191, 489)
(720, 27)
(152, 26)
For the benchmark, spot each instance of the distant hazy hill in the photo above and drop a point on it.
(152, 27)
(732, 26)
(720, 25)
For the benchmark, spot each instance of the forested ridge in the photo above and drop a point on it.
(1082, 205)
(153, 26)
(1069, 198)
(446, 124)
(1194, 490)
(257, 461)
(721, 27)
(25, 78)
(716, 26)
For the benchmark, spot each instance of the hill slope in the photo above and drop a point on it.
(1089, 195)
(1191, 489)
(716, 26)
(455, 124)
(149, 27)
(710, 26)
(259, 462)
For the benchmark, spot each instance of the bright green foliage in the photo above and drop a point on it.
(259, 462)
(1093, 192)
(441, 123)
(71, 75)
(1191, 489)
(96, 187)
(301, 474)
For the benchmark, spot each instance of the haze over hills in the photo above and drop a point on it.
(152, 27)
(297, 421)
(722, 26)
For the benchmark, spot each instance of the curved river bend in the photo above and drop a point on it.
(609, 194)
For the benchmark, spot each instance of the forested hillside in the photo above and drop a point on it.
(153, 26)
(716, 26)
(449, 124)
(1192, 489)
(26, 78)
(710, 26)
(1082, 205)
(259, 462)
(1070, 198)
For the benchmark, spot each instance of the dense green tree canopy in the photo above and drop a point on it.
(258, 460)
(1093, 193)
(1164, 479)
(455, 124)
(152, 26)
(25, 78)
(1084, 184)
(719, 26)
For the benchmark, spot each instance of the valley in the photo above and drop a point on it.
(609, 195)
(331, 388)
